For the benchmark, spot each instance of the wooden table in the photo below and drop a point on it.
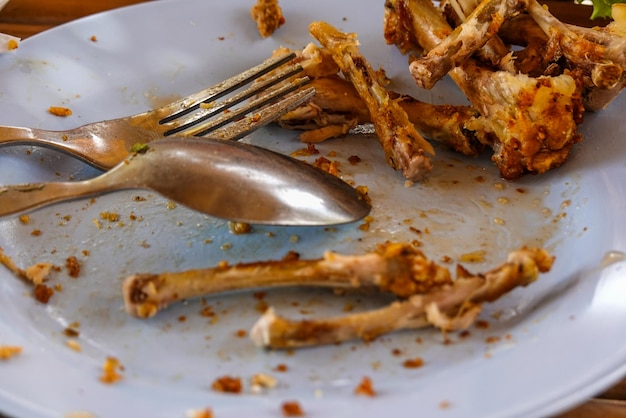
(24, 18)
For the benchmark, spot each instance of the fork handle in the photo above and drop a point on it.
(79, 143)
(20, 198)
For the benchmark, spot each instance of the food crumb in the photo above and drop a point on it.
(413, 363)
(227, 384)
(200, 413)
(473, 257)
(80, 414)
(25, 219)
(38, 273)
(239, 228)
(354, 159)
(110, 371)
(482, 324)
(492, 339)
(74, 345)
(365, 387)
(60, 111)
(93, 38)
(9, 351)
(281, 368)
(12, 44)
(261, 381)
(292, 409)
(43, 293)
(268, 16)
(110, 216)
(73, 266)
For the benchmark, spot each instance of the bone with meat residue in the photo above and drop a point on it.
(405, 149)
(479, 27)
(450, 307)
(427, 294)
(400, 269)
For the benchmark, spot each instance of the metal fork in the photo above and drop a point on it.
(107, 143)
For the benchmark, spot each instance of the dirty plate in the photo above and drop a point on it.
(546, 347)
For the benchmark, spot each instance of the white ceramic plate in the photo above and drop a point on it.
(557, 342)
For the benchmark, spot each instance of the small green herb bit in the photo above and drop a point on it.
(139, 148)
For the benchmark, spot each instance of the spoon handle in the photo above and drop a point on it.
(20, 198)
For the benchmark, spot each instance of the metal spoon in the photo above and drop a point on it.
(225, 179)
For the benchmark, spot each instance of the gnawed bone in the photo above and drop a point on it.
(405, 149)
(449, 307)
(400, 269)
(427, 294)
(467, 38)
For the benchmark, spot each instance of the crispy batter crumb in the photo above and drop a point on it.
(413, 363)
(227, 384)
(25, 219)
(110, 371)
(268, 16)
(444, 404)
(12, 44)
(261, 381)
(60, 111)
(310, 150)
(292, 409)
(200, 413)
(365, 387)
(241, 333)
(93, 38)
(238, 228)
(71, 332)
(35, 232)
(73, 266)
(473, 257)
(367, 222)
(43, 293)
(110, 216)
(281, 368)
(80, 414)
(481, 323)
(38, 273)
(74, 345)
(329, 166)
(9, 351)
(354, 159)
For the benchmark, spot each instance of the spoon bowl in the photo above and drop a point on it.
(229, 180)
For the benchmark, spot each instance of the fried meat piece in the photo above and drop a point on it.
(405, 149)
(530, 123)
(336, 108)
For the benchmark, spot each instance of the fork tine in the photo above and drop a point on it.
(215, 108)
(202, 129)
(264, 116)
(191, 103)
